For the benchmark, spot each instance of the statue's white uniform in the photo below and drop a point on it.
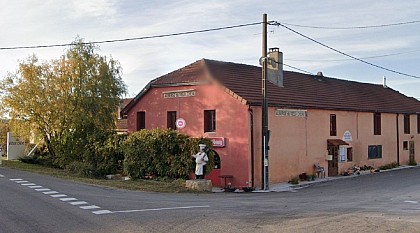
(201, 159)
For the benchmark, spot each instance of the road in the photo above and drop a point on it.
(383, 202)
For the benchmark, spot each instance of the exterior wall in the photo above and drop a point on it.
(297, 143)
(231, 123)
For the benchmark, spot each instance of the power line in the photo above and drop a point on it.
(134, 38)
(293, 67)
(343, 53)
(353, 27)
(349, 59)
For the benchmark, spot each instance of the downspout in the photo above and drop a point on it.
(251, 125)
(398, 140)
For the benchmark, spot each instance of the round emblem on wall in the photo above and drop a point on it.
(180, 123)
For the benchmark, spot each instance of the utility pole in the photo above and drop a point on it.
(265, 132)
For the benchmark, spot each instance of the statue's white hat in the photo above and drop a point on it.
(202, 145)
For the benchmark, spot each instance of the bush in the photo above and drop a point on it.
(412, 162)
(389, 166)
(162, 153)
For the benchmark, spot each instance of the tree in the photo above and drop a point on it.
(77, 93)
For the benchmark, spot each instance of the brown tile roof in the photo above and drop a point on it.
(300, 90)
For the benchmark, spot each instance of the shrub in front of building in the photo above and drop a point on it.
(162, 153)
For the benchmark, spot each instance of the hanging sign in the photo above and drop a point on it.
(180, 123)
(347, 137)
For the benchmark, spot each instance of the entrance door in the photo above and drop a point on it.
(411, 148)
(333, 164)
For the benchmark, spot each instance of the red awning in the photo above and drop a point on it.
(337, 142)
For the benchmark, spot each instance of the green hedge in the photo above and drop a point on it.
(162, 153)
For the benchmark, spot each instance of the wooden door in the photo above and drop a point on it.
(333, 164)
(411, 148)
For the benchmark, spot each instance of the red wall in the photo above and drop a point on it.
(231, 123)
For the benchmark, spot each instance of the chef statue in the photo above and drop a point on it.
(201, 160)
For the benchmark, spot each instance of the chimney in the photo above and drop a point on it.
(384, 82)
(320, 74)
(275, 67)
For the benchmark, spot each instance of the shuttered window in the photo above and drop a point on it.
(209, 121)
(407, 124)
(141, 120)
(333, 125)
(377, 124)
(171, 120)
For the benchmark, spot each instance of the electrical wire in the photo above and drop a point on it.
(353, 27)
(343, 53)
(293, 67)
(134, 38)
(350, 59)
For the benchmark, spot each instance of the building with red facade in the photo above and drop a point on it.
(312, 119)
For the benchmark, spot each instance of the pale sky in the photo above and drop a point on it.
(43, 22)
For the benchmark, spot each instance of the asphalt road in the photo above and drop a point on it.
(383, 202)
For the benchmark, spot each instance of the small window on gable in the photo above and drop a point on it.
(407, 124)
(333, 125)
(141, 120)
(377, 124)
(418, 123)
(171, 120)
(209, 121)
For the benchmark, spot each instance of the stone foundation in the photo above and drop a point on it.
(199, 185)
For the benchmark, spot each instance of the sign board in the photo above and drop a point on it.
(179, 94)
(290, 113)
(218, 141)
(15, 147)
(347, 137)
(180, 123)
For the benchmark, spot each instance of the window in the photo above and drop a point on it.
(349, 154)
(171, 120)
(333, 125)
(209, 121)
(407, 124)
(405, 145)
(377, 124)
(418, 124)
(375, 152)
(216, 159)
(141, 120)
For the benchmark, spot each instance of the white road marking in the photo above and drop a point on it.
(68, 199)
(58, 195)
(78, 203)
(89, 207)
(50, 192)
(413, 202)
(1, 176)
(34, 187)
(39, 190)
(15, 179)
(102, 212)
(159, 209)
(27, 184)
(21, 181)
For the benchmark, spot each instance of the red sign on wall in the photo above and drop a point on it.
(218, 141)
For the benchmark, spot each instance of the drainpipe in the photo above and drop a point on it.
(251, 125)
(398, 140)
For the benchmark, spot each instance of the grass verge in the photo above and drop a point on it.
(169, 186)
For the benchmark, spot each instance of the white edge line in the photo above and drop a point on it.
(15, 179)
(159, 209)
(34, 187)
(78, 203)
(39, 190)
(89, 207)
(414, 202)
(58, 195)
(68, 199)
(21, 181)
(27, 184)
(50, 192)
(102, 212)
